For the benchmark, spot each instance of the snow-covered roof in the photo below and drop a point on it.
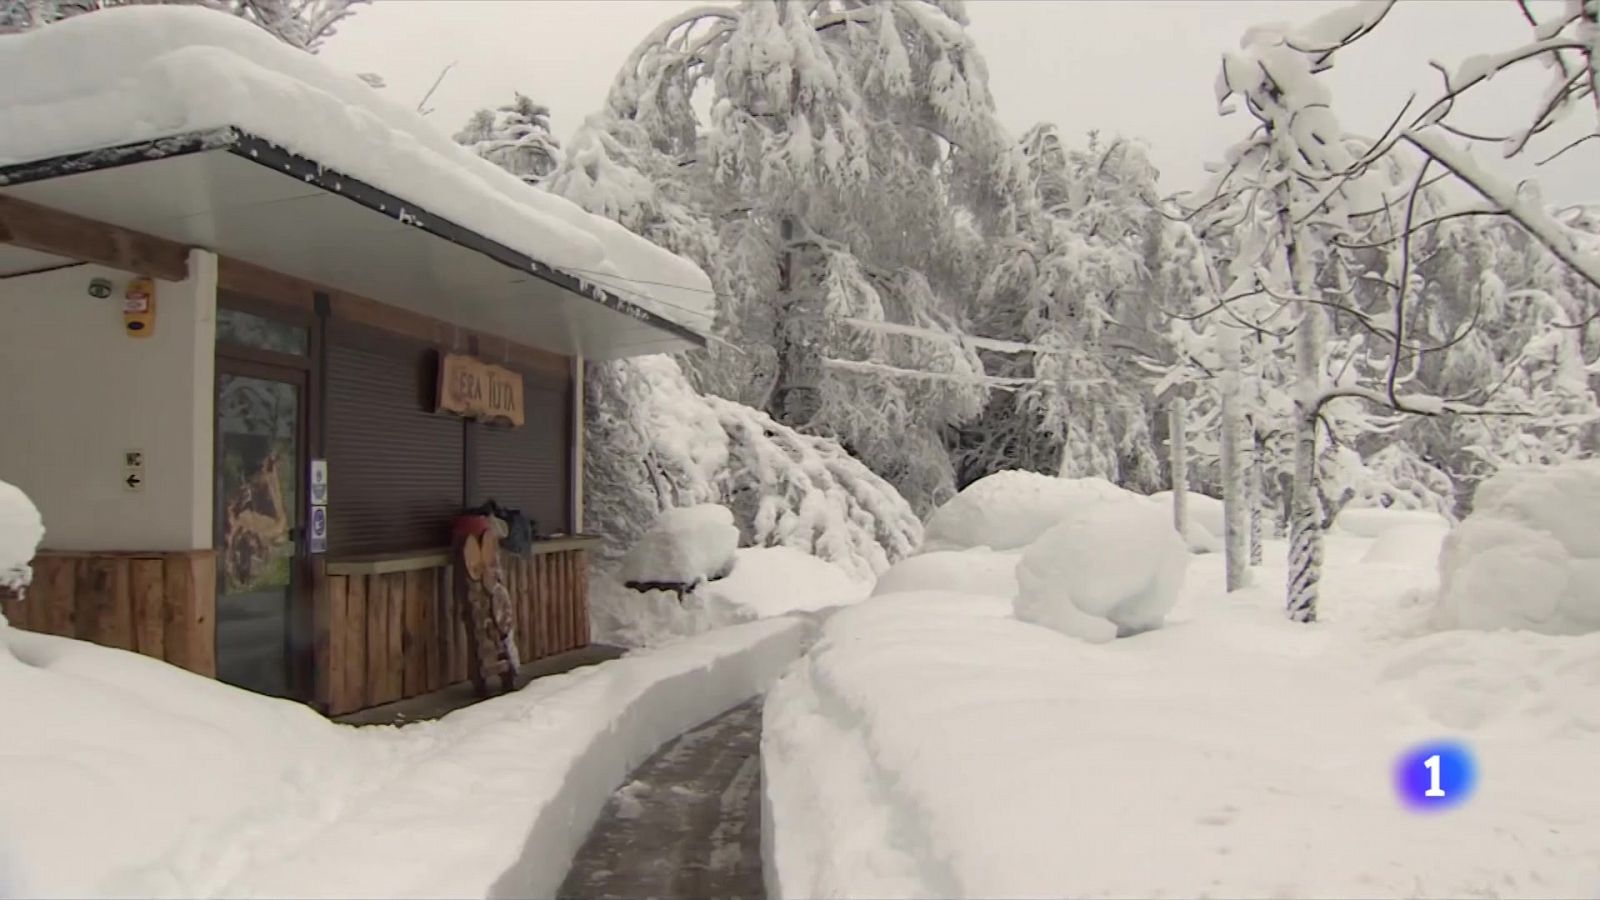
(192, 77)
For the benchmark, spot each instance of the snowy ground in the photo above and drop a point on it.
(933, 745)
(125, 776)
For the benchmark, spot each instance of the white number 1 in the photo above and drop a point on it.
(1432, 763)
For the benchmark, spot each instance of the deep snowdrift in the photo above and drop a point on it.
(1009, 510)
(126, 776)
(1529, 555)
(976, 571)
(138, 73)
(930, 745)
(1107, 570)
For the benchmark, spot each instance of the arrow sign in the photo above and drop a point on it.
(133, 470)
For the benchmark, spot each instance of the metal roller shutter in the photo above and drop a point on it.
(395, 468)
(527, 468)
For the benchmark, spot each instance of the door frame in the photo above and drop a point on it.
(304, 373)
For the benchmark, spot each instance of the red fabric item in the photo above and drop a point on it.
(463, 527)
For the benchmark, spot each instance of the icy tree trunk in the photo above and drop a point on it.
(1180, 467)
(1305, 517)
(1258, 495)
(797, 389)
(1235, 551)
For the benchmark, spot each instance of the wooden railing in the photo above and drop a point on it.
(389, 628)
(161, 604)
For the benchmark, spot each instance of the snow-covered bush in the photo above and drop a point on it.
(654, 442)
(1111, 570)
(21, 529)
(623, 617)
(1528, 557)
(1375, 523)
(975, 571)
(685, 546)
(1009, 510)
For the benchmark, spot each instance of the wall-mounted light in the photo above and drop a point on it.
(100, 288)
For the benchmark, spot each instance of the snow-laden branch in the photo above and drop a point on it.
(1556, 237)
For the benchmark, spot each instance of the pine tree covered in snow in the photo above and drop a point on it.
(516, 137)
(301, 23)
(1075, 287)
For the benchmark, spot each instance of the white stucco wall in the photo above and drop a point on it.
(76, 392)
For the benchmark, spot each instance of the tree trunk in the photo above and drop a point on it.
(1235, 551)
(1305, 515)
(1180, 468)
(1258, 495)
(797, 389)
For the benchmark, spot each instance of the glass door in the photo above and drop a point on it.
(260, 454)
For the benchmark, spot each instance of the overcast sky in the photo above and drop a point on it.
(1143, 68)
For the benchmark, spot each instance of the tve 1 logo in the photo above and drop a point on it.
(1435, 776)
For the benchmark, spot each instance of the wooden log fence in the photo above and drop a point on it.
(158, 604)
(384, 636)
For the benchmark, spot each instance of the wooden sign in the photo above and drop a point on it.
(479, 390)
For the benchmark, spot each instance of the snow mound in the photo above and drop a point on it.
(772, 581)
(141, 73)
(1204, 511)
(21, 530)
(1407, 545)
(977, 571)
(1009, 510)
(1528, 557)
(1110, 571)
(1374, 522)
(686, 546)
(623, 617)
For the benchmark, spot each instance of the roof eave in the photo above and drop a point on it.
(265, 153)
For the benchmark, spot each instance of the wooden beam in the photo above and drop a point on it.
(64, 234)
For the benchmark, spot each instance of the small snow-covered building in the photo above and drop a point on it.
(263, 333)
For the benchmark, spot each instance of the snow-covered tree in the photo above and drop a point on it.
(516, 137)
(657, 443)
(301, 23)
(845, 172)
(1072, 291)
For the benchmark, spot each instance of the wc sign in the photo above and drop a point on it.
(319, 529)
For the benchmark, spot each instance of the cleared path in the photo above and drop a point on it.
(688, 822)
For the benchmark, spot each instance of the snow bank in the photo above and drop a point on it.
(21, 530)
(929, 747)
(1374, 522)
(1009, 510)
(187, 787)
(1205, 520)
(147, 72)
(623, 617)
(976, 571)
(1108, 571)
(1407, 545)
(686, 546)
(1528, 557)
(771, 581)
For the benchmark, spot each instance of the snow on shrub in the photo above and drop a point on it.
(653, 440)
(1407, 544)
(21, 530)
(1009, 510)
(1110, 570)
(977, 571)
(685, 546)
(1528, 557)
